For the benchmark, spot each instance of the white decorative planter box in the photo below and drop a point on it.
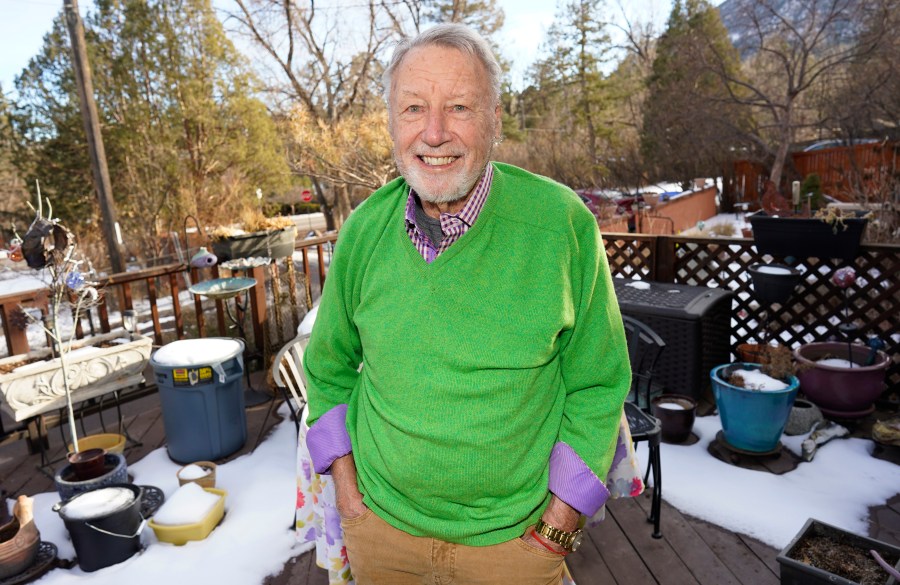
(37, 387)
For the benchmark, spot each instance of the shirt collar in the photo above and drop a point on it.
(470, 211)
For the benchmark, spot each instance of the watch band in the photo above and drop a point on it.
(567, 540)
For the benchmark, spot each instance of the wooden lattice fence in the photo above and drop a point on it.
(813, 313)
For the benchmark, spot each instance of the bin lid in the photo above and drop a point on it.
(195, 352)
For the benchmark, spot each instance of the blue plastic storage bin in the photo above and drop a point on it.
(202, 397)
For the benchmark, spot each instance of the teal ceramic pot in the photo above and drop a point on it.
(752, 420)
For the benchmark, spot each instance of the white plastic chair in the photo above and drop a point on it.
(287, 372)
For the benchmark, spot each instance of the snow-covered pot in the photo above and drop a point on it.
(752, 420)
(68, 485)
(773, 283)
(105, 525)
(841, 392)
(676, 415)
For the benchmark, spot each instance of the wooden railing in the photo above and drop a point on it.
(157, 296)
(813, 313)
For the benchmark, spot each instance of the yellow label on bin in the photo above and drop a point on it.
(192, 376)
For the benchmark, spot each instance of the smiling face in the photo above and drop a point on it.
(443, 121)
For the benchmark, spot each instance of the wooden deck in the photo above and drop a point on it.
(619, 551)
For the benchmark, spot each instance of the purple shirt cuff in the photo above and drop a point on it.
(572, 481)
(328, 439)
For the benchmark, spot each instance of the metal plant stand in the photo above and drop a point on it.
(222, 289)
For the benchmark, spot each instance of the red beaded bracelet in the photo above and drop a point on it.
(540, 540)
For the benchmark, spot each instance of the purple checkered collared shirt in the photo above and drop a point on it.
(452, 225)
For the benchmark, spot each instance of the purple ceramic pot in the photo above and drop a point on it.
(841, 392)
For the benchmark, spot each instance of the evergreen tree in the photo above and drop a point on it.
(13, 195)
(690, 125)
(565, 113)
(184, 133)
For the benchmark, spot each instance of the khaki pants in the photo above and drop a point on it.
(383, 555)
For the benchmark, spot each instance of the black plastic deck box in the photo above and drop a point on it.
(695, 323)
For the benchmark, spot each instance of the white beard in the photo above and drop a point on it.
(446, 193)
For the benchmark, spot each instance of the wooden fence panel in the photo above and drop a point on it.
(814, 311)
(862, 168)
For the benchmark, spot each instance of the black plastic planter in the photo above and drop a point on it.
(804, 237)
(773, 283)
(270, 244)
(794, 572)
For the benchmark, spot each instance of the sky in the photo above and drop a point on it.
(26, 21)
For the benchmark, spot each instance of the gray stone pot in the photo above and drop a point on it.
(804, 414)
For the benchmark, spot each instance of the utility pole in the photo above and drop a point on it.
(95, 139)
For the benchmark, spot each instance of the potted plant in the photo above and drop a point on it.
(781, 229)
(844, 379)
(821, 553)
(754, 401)
(258, 236)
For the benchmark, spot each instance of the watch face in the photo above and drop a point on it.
(576, 542)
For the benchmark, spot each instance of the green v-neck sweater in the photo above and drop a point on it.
(473, 366)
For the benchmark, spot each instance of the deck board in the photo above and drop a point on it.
(657, 554)
(620, 550)
(740, 560)
(679, 532)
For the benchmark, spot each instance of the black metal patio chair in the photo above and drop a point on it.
(644, 349)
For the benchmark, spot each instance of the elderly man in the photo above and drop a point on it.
(477, 298)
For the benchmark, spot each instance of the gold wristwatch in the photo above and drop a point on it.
(568, 540)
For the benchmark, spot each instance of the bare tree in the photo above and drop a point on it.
(790, 48)
(320, 72)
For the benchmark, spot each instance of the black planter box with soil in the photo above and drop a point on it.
(846, 552)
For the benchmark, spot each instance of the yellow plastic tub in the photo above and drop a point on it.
(111, 442)
(182, 533)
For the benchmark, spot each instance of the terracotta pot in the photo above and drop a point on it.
(841, 392)
(676, 416)
(19, 544)
(88, 464)
(18, 547)
(754, 353)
